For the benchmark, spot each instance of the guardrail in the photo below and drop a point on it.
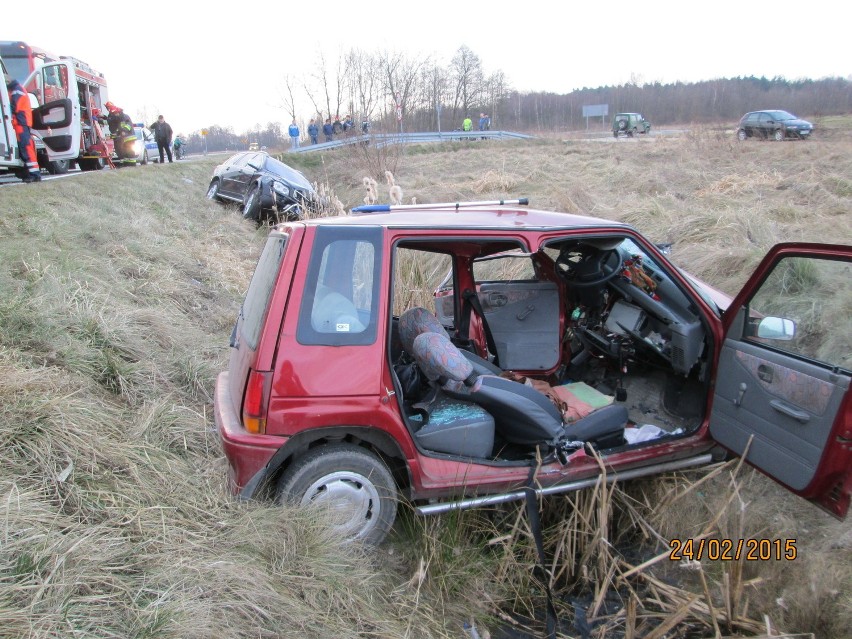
(379, 140)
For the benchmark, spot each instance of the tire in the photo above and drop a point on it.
(352, 482)
(742, 135)
(631, 133)
(622, 124)
(778, 136)
(58, 167)
(213, 191)
(91, 164)
(251, 205)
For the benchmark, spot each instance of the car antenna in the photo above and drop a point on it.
(384, 208)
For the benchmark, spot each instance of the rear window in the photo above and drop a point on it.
(339, 307)
(260, 289)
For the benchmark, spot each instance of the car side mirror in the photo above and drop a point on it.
(779, 328)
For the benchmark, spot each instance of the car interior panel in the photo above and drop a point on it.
(601, 325)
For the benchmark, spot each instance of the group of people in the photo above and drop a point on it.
(330, 129)
(123, 135)
(484, 123)
(120, 126)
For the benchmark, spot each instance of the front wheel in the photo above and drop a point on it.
(58, 167)
(741, 135)
(351, 483)
(251, 206)
(779, 135)
(213, 191)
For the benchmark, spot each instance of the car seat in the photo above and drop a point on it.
(418, 320)
(522, 415)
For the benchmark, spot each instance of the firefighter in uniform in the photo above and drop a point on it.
(121, 130)
(22, 120)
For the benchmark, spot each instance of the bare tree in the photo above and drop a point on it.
(496, 89)
(328, 87)
(287, 99)
(364, 73)
(466, 70)
(400, 73)
(432, 95)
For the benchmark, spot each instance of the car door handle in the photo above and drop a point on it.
(764, 373)
(497, 299)
(790, 411)
(525, 313)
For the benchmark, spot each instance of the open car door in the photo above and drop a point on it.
(8, 139)
(782, 392)
(57, 118)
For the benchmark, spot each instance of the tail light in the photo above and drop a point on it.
(256, 402)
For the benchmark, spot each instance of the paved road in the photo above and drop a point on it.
(7, 179)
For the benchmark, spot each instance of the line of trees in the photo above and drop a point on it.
(397, 91)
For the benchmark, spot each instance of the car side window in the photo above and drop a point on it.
(802, 308)
(340, 301)
(424, 278)
(260, 289)
(507, 267)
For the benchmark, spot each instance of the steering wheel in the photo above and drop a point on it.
(583, 268)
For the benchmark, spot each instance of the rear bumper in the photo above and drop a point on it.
(246, 453)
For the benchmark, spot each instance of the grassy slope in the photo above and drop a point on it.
(117, 294)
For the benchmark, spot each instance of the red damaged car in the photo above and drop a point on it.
(440, 353)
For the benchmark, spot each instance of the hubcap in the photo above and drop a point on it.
(351, 500)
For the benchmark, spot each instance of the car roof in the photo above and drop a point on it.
(502, 218)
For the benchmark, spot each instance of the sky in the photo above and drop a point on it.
(224, 63)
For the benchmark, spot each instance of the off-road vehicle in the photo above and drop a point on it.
(454, 354)
(629, 124)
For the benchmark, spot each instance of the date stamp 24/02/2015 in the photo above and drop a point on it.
(732, 549)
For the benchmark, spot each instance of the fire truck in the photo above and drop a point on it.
(68, 96)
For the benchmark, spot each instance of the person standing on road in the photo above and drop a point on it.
(121, 130)
(313, 132)
(294, 135)
(22, 120)
(163, 134)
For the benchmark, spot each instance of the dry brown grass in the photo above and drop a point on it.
(722, 204)
(117, 293)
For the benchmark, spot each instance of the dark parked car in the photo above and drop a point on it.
(263, 186)
(777, 125)
(344, 391)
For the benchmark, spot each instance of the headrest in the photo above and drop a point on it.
(440, 359)
(416, 321)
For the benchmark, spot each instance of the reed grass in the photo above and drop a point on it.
(117, 293)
